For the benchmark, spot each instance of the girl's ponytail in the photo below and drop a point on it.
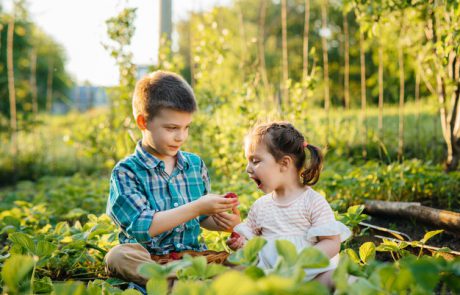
(312, 166)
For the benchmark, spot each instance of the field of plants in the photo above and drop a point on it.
(375, 84)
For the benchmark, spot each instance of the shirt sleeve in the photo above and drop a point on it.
(320, 211)
(207, 185)
(128, 206)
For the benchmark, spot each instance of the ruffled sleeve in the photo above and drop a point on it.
(332, 228)
(323, 221)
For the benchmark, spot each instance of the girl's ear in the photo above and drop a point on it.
(285, 162)
(141, 122)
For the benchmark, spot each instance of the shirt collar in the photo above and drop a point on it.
(149, 161)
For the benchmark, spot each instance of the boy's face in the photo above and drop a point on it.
(166, 132)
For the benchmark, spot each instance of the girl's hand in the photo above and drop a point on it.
(213, 204)
(235, 243)
(228, 221)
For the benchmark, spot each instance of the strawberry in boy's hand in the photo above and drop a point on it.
(234, 235)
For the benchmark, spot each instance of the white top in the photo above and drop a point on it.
(300, 221)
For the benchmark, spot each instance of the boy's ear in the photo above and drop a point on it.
(141, 122)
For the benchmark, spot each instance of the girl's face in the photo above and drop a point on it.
(262, 166)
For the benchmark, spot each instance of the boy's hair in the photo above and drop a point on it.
(162, 90)
(283, 139)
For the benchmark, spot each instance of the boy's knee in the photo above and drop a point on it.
(125, 256)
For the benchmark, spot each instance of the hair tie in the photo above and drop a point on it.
(305, 144)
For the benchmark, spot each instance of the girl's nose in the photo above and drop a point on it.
(248, 169)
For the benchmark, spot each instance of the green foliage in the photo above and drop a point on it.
(28, 38)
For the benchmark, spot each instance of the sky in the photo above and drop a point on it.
(79, 26)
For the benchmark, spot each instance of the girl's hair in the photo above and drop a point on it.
(283, 139)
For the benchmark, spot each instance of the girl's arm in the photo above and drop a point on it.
(329, 245)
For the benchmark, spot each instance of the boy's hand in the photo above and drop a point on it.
(235, 241)
(226, 220)
(213, 204)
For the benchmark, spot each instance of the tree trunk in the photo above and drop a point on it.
(347, 62)
(284, 87)
(243, 43)
(442, 218)
(324, 5)
(261, 48)
(305, 42)
(417, 102)
(11, 91)
(401, 102)
(363, 92)
(453, 152)
(380, 123)
(33, 80)
(49, 86)
(191, 61)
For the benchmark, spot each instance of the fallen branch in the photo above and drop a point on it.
(442, 218)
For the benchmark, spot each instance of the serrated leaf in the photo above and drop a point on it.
(44, 248)
(23, 240)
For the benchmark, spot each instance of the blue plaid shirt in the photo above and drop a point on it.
(140, 187)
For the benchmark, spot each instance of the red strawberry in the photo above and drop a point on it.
(174, 256)
(230, 196)
(234, 236)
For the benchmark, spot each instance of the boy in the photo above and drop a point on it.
(159, 195)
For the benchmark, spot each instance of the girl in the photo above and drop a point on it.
(291, 210)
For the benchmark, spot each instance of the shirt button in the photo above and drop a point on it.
(175, 204)
(179, 245)
(177, 229)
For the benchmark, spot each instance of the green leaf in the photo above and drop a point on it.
(44, 248)
(23, 240)
(312, 258)
(99, 229)
(69, 288)
(43, 285)
(430, 234)
(199, 265)
(232, 283)
(151, 270)
(352, 254)
(367, 252)
(287, 250)
(252, 248)
(254, 272)
(363, 287)
(425, 272)
(15, 270)
(355, 210)
(313, 287)
(157, 286)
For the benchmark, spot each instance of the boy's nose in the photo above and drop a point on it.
(248, 169)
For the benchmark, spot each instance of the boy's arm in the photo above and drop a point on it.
(206, 205)
(129, 209)
(222, 221)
